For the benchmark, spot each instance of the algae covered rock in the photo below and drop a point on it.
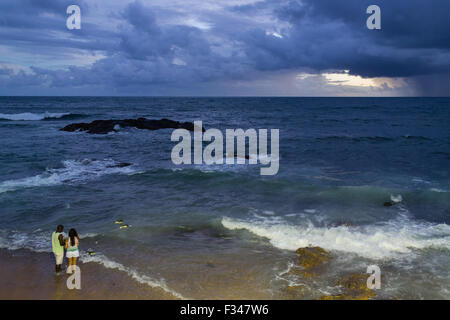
(354, 282)
(312, 257)
(302, 273)
(354, 287)
(295, 292)
(311, 262)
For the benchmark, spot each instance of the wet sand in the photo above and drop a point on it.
(30, 275)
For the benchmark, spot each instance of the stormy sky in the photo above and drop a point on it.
(225, 48)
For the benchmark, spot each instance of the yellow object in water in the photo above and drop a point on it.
(124, 226)
(118, 221)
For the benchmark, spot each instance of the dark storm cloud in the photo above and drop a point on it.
(243, 42)
(406, 24)
(146, 40)
(146, 53)
(330, 34)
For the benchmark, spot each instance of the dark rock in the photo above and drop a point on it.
(120, 165)
(106, 126)
(388, 204)
(343, 224)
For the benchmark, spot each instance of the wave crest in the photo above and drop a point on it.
(73, 171)
(391, 239)
(28, 116)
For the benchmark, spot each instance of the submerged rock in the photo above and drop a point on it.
(119, 165)
(344, 224)
(302, 273)
(312, 262)
(123, 164)
(106, 126)
(295, 292)
(354, 287)
(388, 204)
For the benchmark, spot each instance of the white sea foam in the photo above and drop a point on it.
(396, 198)
(420, 180)
(28, 116)
(14, 240)
(38, 241)
(391, 239)
(438, 190)
(73, 171)
(87, 235)
(144, 279)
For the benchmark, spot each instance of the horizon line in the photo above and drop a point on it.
(206, 96)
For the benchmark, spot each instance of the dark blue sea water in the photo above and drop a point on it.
(225, 231)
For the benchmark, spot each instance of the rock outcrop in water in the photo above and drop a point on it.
(106, 126)
(354, 288)
(311, 262)
(312, 257)
(119, 165)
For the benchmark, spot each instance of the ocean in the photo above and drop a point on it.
(225, 231)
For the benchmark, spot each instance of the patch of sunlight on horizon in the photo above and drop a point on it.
(345, 79)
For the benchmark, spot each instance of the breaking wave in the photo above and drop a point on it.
(28, 116)
(390, 239)
(73, 171)
(37, 241)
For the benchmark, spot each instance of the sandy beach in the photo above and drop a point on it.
(30, 275)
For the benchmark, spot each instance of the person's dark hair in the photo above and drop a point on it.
(60, 228)
(72, 234)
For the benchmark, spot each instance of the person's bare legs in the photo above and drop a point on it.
(74, 263)
(69, 268)
(58, 266)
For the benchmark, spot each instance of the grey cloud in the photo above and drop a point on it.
(317, 35)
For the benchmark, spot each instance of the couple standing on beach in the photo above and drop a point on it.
(70, 244)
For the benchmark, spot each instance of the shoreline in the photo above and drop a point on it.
(98, 282)
(17, 282)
